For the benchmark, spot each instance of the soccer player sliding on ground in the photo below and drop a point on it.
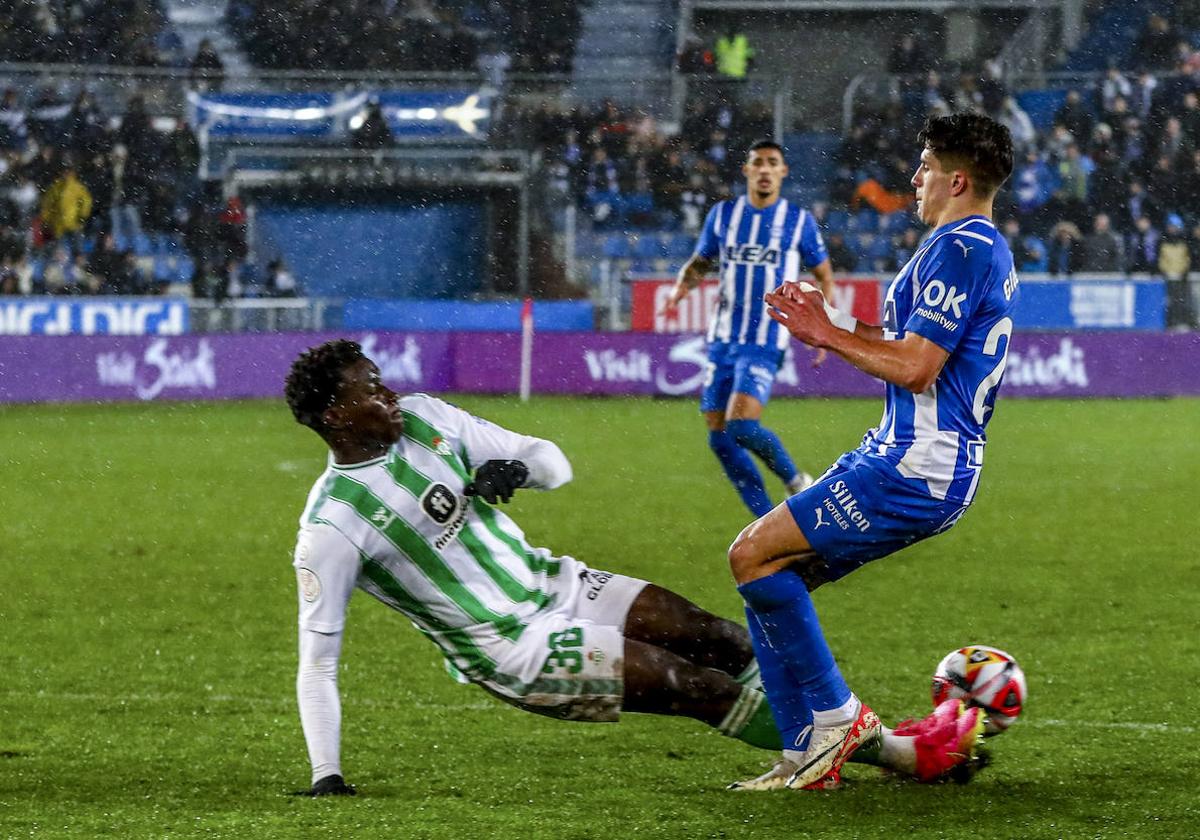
(941, 350)
(405, 512)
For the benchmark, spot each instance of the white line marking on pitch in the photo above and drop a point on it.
(1136, 727)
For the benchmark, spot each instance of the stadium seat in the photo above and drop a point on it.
(680, 246)
(838, 221)
(616, 247)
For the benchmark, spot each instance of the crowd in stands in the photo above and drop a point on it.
(408, 35)
(94, 205)
(619, 166)
(1113, 185)
(131, 33)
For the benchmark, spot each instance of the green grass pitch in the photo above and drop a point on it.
(147, 634)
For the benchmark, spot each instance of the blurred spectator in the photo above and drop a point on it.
(280, 280)
(1174, 263)
(906, 57)
(208, 70)
(734, 54)
(1063, 252)
(56, 274)
(374, 132)
(1114, 88)
(840, 256)
(1141, 94)
(905, 246)
(82, 278)
(1155, 46)
(1075, 117)
(992, 89)
(1102, 250)
(1142, 250)
(229, 281)
(1073, 171)
(10, 281)
(66, 206)
(231, 230)
(1138, 204)
(1033, 182)
(1018, 123)
(1024, 252)
(694, 58)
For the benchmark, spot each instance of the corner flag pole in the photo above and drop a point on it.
(526, 348)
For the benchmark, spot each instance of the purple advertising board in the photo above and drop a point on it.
(190, 367)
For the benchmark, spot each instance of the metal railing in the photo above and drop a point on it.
(263, 315)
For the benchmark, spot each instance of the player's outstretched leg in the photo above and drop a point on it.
(661, 618)
(659, 682)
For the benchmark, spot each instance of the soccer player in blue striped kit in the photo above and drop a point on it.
(941, 352)
(759, 242)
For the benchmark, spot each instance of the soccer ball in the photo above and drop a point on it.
(982, 676)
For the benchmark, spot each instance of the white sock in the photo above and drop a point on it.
(843, 714)
(898, 752)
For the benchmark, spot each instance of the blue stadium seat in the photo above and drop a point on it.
(185, 267)
(838, 221)
(616, 247)
(650, 246)
(867, 220)
(142, 246)
(896, 222)
(681, 246)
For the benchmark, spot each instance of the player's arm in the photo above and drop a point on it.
(504, 461)
(326, 569)
(702, 262)
(913, 362)
(690, 276)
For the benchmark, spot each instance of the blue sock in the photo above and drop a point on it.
(741, 471)
(764, 443)
(788, 704)
(785, 610)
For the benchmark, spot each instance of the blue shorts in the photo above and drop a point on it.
(856, 513)
(741, 368)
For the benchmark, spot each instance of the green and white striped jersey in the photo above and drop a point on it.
(400, 528)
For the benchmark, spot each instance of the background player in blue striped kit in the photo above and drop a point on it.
(941, 351)
(759, 241)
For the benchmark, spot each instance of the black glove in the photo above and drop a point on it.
(333, 785)
(497, 480)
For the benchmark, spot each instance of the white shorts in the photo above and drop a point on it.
(570, 661)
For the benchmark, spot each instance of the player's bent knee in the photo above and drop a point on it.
(745, 558)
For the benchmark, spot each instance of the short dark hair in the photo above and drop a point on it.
(764, 143)
(315, 377)
(974, 142)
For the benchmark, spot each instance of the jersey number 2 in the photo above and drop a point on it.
(991, 346)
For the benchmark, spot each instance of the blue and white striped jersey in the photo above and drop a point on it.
(759, 250)
(958, 290)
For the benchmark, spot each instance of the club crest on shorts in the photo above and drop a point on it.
(310, 584)
(439, 503)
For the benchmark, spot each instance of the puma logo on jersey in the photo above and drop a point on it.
(966, 248)
(821, 520)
